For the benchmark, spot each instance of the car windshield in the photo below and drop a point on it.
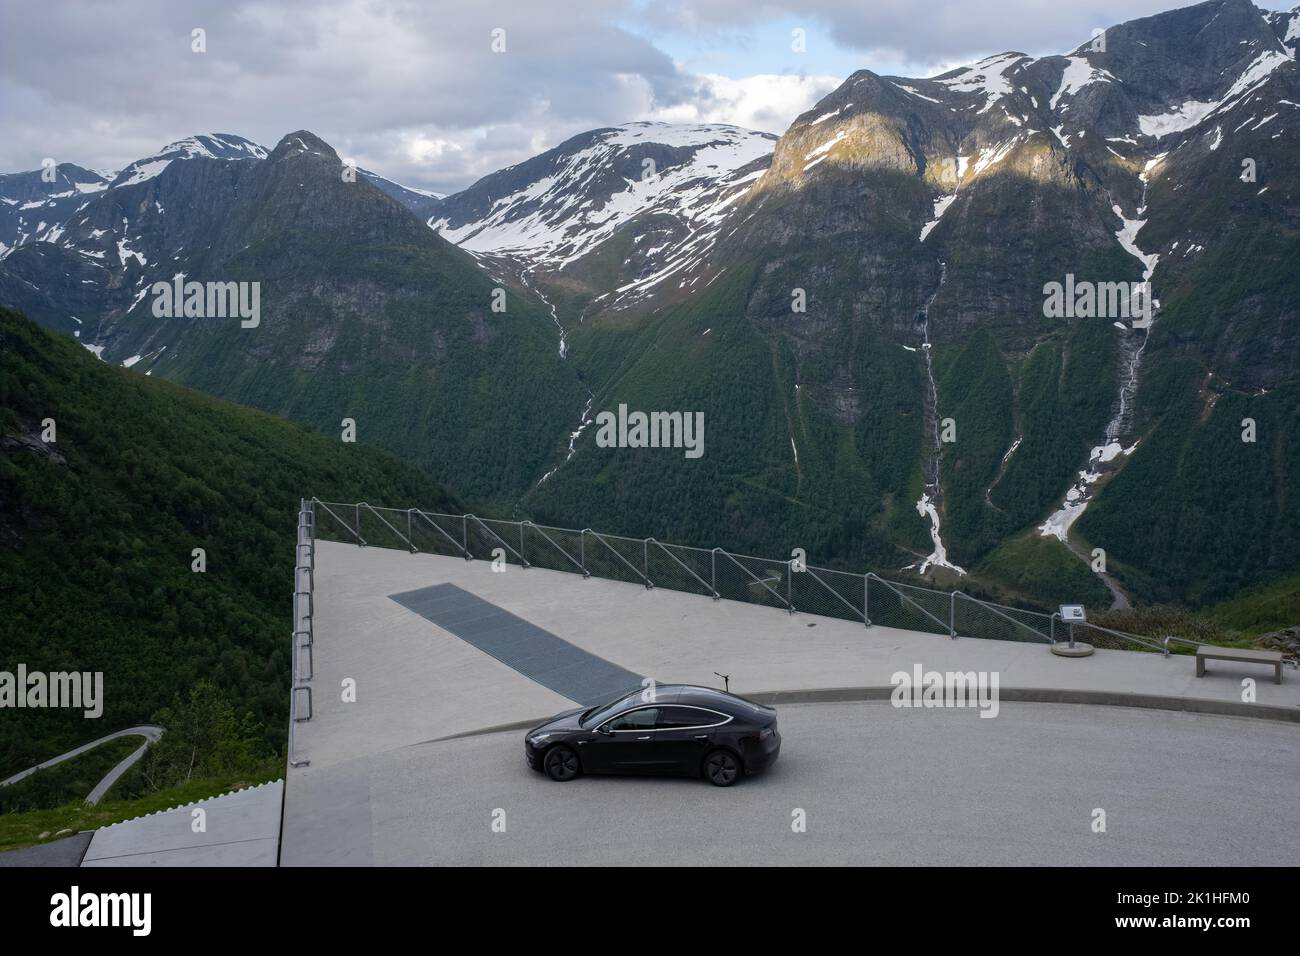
(597, 715)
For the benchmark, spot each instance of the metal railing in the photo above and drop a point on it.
(715, 573)
(304, 610)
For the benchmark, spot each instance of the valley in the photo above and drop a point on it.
(917, 220)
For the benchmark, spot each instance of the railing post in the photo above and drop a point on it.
(307, 540)
(672, 557)
(306, 523)
(614, 551)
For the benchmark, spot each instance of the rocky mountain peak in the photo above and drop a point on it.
(303, 143)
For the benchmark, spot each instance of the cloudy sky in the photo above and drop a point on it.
(414, 90)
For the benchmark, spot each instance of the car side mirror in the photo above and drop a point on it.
(604, 729)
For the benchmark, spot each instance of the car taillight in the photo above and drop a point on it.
(765, 733)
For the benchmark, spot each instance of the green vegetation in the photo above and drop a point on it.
(1240, 621)
(1260, 609)
(368, 315)
(748, 491)
(856, 419)
(25, 828)
(1198, 513)
(1065, 396)
(204, 738)
(1158, 621)
(1037, 571)
(975, 392)
(475, 397)
(97, 531)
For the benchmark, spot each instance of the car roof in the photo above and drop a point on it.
(692, 694)
(695, 694)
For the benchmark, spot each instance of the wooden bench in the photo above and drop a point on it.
(1207, 652)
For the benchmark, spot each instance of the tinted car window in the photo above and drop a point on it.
(741, 706)
(598, 715)
(670, 717)
(642, 719)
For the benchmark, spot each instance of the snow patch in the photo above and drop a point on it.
(917, 93)
(940, 207)
(143, 171)
(988, 76)
(1078, 74)
(939, 556)
(1193, 112)
(827, 146)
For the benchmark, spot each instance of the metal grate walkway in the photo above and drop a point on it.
(536, 653)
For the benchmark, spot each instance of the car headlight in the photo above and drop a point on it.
(537, 739)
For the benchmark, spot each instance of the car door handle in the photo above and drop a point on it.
(643, 738)
(701, 736)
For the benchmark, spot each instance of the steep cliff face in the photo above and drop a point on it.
(363, 312)
(611, 216)
(892, 265)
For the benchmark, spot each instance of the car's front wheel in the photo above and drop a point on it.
(562, 764)
(721, 768)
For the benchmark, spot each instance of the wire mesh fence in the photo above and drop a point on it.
(715, 573)
(680, 568)
(437, 534)
(893, 606)
(995, 621)
(828, 593)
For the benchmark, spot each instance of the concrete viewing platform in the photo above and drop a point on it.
(439, 648)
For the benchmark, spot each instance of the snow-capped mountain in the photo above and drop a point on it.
(125, 230)
(354, 294)
(827, 298)
(204, 146)
(1286, 25)
(661, 189)
(1119, 101)
(887, 274)
(34, 204)
(1125, 129)
(34, 210)
(116, 233)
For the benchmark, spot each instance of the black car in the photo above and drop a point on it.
(664, 729)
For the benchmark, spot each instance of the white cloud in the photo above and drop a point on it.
(767, 102)
(411, 89)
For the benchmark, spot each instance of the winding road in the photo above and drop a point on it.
(148, 731)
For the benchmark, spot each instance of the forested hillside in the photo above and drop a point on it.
(97, 530)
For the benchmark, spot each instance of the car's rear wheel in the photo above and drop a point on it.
(561, 764)
(721, 768)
